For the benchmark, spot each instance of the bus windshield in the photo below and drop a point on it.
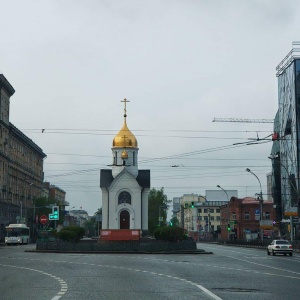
(17, 232)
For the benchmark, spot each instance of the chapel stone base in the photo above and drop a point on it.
(120, 234)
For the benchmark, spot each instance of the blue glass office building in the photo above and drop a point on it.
(287, 124)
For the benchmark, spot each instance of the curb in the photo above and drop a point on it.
(256, 247)
(120, 252)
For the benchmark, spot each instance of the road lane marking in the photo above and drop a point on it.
(208, 292)
(233, 269)
(262, 265)
(202, 288)
(63, 284)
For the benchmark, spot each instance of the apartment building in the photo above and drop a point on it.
(21, 165)
(197, 215)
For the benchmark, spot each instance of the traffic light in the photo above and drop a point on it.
(192, 204)
(228, 227)
(171, 224)
(55, 213)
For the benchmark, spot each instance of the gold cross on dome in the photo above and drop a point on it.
(125, 101)
(124, 137)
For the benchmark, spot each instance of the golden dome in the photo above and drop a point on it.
(125, 138)
(124, 154)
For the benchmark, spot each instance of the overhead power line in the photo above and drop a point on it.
(243, 120)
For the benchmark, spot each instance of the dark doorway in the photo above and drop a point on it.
(124, 219)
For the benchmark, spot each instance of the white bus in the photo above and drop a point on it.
(17, 234)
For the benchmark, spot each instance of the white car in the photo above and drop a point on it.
(280, 246)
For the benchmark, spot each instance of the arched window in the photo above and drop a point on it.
(124, 197)
(115, 158)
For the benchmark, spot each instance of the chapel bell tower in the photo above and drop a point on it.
(124, 187)
(125, 149)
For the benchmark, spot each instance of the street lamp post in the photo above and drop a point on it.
(261, 204)
(182, 216)
(164, 206)
(228, 212)
(21, 211)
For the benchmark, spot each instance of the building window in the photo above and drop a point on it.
(200, 210)
(133, 158)
(233, 216)
(115, 158)
(199, 218)
(205, 210)
(212, 210)
(218, 218)
(268, 215)
(124, 197)
(218, 210)
(212, 218)
(247, 215)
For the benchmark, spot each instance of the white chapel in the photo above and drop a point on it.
(125, 188)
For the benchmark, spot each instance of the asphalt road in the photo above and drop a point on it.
(230, 273)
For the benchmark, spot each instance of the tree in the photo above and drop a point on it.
(42, 206)
(98, 220)
(174, 222)
(157, 205)
(71, 233)
(98, 212)
(170, 233)
(90, 227)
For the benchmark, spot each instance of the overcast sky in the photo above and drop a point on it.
(180, 63)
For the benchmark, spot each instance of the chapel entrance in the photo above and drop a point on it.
(124, 219)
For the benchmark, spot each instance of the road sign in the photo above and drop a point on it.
(55, 213)
(43, 219)
(266, 224)
(291, 211)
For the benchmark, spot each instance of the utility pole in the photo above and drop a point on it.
(164, 206)
(182, 216)
(261, 205)
(228, 212)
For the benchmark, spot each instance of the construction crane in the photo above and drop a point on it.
(243, 120)
(275, 135)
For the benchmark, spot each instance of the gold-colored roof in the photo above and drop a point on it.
(125, 138)
(124, 154)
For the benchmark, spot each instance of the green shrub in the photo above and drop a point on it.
(71, 233)
(169, 233)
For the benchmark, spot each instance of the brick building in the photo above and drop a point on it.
(243, 215)
(57, 194)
